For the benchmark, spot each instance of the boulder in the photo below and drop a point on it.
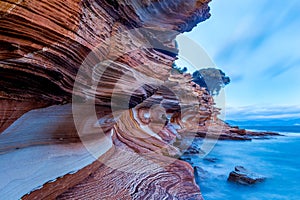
(243, 176)
(200, 174)
(212, 160)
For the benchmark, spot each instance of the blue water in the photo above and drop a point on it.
(278, 159)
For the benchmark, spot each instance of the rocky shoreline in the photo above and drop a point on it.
(240, 175)
(233, 134)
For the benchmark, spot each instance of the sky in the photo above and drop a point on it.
(257, 44)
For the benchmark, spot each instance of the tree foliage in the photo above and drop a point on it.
(212, 79)
(176, 69)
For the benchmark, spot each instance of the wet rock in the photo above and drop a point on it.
(200, 174)
(212, 160)
(194, 149)
(243, 176)
(234, 136)
(238, 131)
(186, 159)
(262, 134)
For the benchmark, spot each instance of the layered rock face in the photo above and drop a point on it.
(89, 108)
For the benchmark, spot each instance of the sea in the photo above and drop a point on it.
(276, 158)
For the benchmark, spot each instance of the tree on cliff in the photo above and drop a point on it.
(212, 79)
(176, 69)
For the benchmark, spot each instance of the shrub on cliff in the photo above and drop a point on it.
(212, 79)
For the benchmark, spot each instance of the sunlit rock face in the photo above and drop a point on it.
(61, 59)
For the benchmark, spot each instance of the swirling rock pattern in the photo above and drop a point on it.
(114, 50)
(43, 43)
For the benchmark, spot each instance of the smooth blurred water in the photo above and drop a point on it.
(278, 159)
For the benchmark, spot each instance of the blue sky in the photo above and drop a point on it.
(256, 43)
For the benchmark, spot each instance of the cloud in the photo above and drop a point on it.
(259, 112)
(281, 67)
